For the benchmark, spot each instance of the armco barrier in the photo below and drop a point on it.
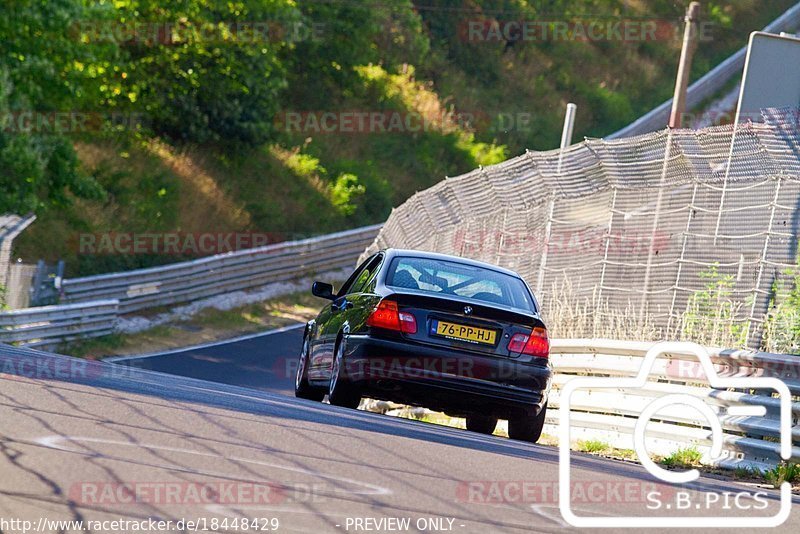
(92, 304)
(222, 273)
(49, 325)
(610, 415)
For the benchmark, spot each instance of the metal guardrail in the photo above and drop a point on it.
(49, 325)
(10, 227)
(611, 415)
(708, 85)
(222, 273)
(93, 303)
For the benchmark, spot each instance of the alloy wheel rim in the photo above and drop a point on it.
(301, 367)
(335, 370)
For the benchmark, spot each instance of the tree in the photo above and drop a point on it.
(42, 70)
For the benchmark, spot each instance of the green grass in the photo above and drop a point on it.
(87, 347)
(684, 457)
(592, 446)
(784, 472)
(746, 473)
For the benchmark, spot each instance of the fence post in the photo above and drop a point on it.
(680, 261)
(756, 289)
(547, 232)
(656, 215)
(608, 243)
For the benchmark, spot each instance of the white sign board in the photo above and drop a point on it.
(771, 75)
(771, 79)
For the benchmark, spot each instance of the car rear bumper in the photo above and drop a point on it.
(458, 383)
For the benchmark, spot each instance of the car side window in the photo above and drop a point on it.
(352, 283)
(367, 275)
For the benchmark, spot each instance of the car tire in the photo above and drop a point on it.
(527, 428)
(341, 391)
(302, 389)
(481, 423)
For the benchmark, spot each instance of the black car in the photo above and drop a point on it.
(454, 335)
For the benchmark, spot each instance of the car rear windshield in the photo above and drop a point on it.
(452, 278)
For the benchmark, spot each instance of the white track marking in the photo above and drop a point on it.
(56, 442)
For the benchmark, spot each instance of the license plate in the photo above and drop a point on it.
(462, 332)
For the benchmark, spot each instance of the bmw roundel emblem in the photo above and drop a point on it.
(467, 310)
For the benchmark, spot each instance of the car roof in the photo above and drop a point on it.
(399, 252)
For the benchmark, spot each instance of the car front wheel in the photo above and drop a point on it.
(340, 391)
(527, 428)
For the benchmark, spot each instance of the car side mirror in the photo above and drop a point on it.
(322, 290)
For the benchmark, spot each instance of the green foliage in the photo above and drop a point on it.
(304, 165)
(746, 473)
(344, 191)
(593, 446)
(783, 472)
(214, 75)
(712, 315)
(684, 457)
(782, 324)
(41, 70)
(211, 78)
(348, 35)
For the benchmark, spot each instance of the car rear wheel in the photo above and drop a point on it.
(340, 391)
(302, 389)
(481, 424)
(527, 428)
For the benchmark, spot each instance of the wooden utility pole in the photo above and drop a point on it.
(685, 65)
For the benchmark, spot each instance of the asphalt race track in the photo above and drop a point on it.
(264, 361)
(93, 441)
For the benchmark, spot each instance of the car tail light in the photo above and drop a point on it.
(536, 343)
(387, 316)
